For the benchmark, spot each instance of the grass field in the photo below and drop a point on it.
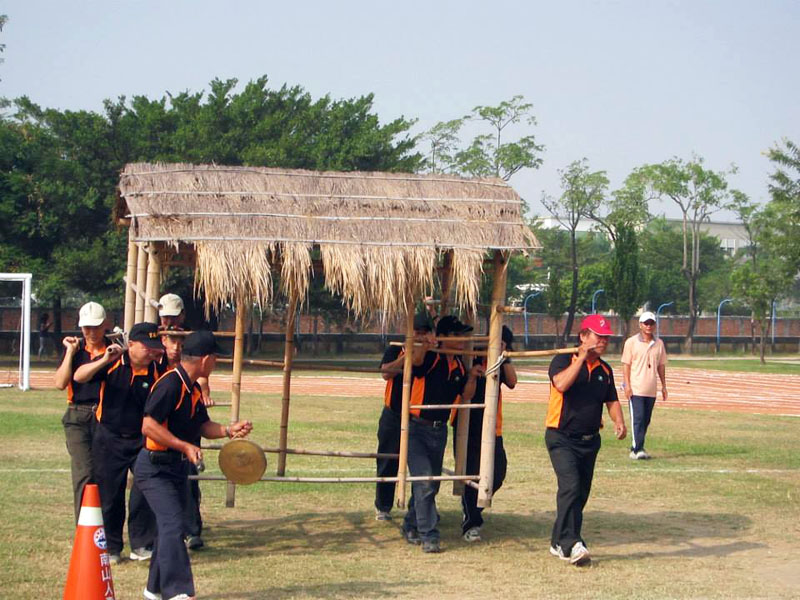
(714, 515)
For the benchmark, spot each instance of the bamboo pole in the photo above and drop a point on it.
(462, 431)
(446, 350)
(345, 479)
(236, 382)
(130, 294)
(554, 351)
(462, 483)
(141, 282)
(301, 451)
(446, 280)
(153, 283)
(288, 356)
(492, 383)
(404, 419)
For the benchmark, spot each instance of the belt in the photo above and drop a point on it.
(428, 422)
(585, 437)
(165, 457)
(83, 406)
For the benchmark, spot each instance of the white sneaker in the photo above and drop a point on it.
(473, 534)
(642, 455)
(183, 597)
(114, 559)
(558, 552)
(579, 555)
(141, 554)
(634, 455)
(383, 515)
(148, 595)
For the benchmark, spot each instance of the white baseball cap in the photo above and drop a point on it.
(646, 316)
(170, 305)
(91, 314)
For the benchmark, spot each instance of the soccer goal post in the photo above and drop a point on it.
(24, 327)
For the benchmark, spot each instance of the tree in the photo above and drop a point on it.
(698, 192)
(784, 187)
(3, 21)
(625, 286)
(443, 139)
(583, 191)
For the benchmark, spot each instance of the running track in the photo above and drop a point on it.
(688, 388)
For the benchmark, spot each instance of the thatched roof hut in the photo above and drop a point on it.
(379, 234)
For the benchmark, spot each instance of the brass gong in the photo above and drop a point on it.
(242, 461)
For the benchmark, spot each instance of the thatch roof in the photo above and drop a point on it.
(379, 234)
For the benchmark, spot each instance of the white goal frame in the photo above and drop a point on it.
(25, 327)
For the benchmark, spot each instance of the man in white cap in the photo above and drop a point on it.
(170, 311)
(82, 398)
(644, 361)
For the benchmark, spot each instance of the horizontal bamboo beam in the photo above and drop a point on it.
(135, 288)
(337, 453)
(553, 352)
(346, 479)
(451, 351)
(510, 309)
(462, 406)
(468, 482)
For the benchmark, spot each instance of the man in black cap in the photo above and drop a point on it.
(389, 423)
(126, 377)
(174, 416)
(441, 379)
(472, 519)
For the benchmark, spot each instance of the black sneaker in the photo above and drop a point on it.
(194, 542)
(412, 537)
(431, 546)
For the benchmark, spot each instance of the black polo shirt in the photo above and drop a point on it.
(579, 410)
(476, 414)
(177, 405)
(123, 392)
(89, 392)
(393, 396)
(441, 380)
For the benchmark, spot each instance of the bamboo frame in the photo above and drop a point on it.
(488, 434)
(409, 478)
(141, 282)
(301, 451)
(130, 294)
(153, 283)
(288, 356)
(402, 467)
(236, 384)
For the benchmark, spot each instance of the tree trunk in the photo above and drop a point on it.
(764, 332)
(57, 329)
(687, 342)
(573, 300)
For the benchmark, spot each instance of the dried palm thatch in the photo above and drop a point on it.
(379, 234)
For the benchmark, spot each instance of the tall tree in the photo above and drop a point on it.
(582, 193)
(784, 187)
(443, 140)
(625, 285)
(698, 192)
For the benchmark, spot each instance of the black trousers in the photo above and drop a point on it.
(164, 486)
(79, 424)
(192, 519)
(388, 443)
(114, 456)
(470, 511)
(573, 461)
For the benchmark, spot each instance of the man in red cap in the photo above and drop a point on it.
(580, 384)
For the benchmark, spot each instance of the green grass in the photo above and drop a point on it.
(713, 515)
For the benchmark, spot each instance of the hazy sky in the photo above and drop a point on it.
(621, 83)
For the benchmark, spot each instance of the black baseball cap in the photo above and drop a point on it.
(450, 324)
(202, 343)
(147, 334)
(422, 322)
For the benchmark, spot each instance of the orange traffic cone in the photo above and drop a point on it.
(89, 576)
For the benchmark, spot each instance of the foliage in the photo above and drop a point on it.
(59, 169)
(698, 192)
(443, 140)
(583, 191)
(624, 286)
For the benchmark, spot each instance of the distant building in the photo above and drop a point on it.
(732, 235)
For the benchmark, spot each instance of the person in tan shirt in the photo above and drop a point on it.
(644, 362)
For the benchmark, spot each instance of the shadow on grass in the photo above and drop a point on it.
(345, 589)
(678, 533)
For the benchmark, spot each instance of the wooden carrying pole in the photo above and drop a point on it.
(288, 355)
(130, 294)
(236, 383)
(153, 283)
(141, 281)
(492, 382)
(404, 419)
(462, 430)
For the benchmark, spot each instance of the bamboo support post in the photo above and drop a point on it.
(141, 281)
(404, 419)
(153, 283)
(130, 294)
(236, 382)
(288, 356)
(492, 383)
(446, 279)
(462, 430)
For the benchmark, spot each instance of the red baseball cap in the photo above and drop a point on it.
(598, 324)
